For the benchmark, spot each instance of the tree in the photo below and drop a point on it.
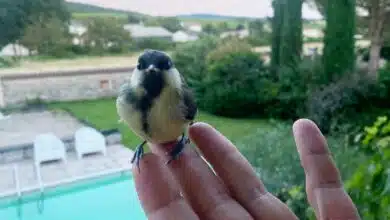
(104, 33)
(16, 15)
(133, 19)
(339, 40)
(286, 34)
(208, 28)
(378, 12)
(223, 26)
(172, 24)
(13, 15)
(256, 27)
(240, 27)
(49, 38)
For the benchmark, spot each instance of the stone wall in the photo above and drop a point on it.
(16, 89)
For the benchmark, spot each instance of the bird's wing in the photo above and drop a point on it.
(190, 107)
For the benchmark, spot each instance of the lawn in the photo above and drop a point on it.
(102, 113)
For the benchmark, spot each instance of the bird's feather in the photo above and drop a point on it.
(190, 106)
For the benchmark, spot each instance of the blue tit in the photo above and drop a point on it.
(157, 104)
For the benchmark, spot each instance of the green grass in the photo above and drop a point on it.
(102, 113)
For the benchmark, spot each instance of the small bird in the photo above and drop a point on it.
(157, 104)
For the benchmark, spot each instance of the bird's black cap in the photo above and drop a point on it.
(159, 59)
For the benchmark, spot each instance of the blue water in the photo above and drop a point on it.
(108, 198)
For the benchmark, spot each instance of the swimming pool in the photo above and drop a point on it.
(111, 197)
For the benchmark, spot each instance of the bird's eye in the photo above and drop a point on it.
(141, 65)
(165, 65)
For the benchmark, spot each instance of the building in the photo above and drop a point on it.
(139, 31)
(12, 50)
(237, 33)
(193, 27)
(312, 33)
(77, 29)
(183, 36)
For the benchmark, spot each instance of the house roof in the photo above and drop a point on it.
(138, 31)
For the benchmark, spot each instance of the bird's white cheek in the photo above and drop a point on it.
(136, 78)
(173, 78)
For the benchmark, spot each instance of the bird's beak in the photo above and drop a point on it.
(151, 69)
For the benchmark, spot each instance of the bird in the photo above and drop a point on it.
(157, 104)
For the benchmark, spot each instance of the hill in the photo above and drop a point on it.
(81, 8)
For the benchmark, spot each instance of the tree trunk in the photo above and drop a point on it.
(373, 64)
(377, 19)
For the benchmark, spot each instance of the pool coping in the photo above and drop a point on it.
(53, 184)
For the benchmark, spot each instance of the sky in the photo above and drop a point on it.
(251, 8)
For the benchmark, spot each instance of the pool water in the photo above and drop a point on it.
(109, 198)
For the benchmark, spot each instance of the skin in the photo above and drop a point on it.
(233, 191)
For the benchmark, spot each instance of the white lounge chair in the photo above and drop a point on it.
(48, 147)
(89, 140)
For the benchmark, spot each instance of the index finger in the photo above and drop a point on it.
(323, 182)
(158, 192)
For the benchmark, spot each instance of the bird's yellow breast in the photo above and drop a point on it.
(165, 119)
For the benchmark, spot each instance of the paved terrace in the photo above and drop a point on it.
(57, 172)
(16, 136)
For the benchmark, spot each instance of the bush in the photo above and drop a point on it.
(79, 49)
(294, 85)
(369, 187)
(336, 101)
(236, 83)
(272, 152)
(190, 60)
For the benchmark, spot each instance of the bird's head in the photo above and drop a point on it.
(154, 62)
(156, 67)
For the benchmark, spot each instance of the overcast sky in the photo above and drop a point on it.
(253, 8)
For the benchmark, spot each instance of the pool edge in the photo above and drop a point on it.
(50, 185)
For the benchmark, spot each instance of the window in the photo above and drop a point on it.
(104, 84)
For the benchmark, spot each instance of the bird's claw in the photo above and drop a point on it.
(139, 152)
(177, 149)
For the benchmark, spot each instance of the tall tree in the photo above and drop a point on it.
(286, 34)
(377, 16)
(104, 33)
(378, 12)
(49, 38)
(16, 15)
(339, 40)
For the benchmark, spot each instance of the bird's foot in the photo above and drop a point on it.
(178, 148)
(139, 152)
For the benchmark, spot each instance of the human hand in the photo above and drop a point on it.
(234, 191)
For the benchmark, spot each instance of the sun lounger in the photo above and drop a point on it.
(48, 147)
(88, 140)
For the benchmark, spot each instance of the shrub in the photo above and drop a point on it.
(294, 84)
(190, 59)
(236, 82)
(369, 187)
(338, 100)
(79, 49)
(272, 152)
